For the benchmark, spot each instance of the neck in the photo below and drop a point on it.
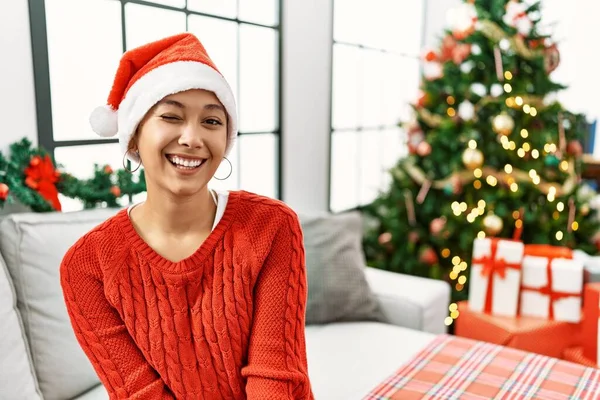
(177, 215)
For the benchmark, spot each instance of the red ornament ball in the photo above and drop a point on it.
(424, 149)
(108, 170)
(413, 237)
(596, 240)
(437, 226)
(3, 191)
(575, 148)
(35, 161)
(428, 256)
(424, 99)
(430, 56)
(385, 238)
(457, 186)
(116, 191)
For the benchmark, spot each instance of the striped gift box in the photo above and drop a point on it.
(457, 368)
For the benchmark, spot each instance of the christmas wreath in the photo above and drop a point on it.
(31, 177)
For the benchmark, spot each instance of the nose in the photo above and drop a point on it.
(191, 136)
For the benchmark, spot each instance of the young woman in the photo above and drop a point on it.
(190, 294)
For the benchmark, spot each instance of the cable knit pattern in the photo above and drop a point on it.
(225, 323)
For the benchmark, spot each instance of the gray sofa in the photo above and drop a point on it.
(41, 359)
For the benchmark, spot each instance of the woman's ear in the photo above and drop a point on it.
(133, 142)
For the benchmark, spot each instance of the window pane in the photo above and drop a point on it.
(81, 80)
(393, 25)
(68, 204)
(259, 11)
(371, 95)
(145, 24)
(400, 88)
(394, 146)
(370, 165)
(347, 21)
(258, 164)
(224, 8)
(222, 47)
(383, 24)
(346, 81)
(344, 171)
(401, 26)
(172, 3)
(79, 160)
(233, 181)
(258, 79)
(393, 143)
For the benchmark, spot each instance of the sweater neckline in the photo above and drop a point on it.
(197, 257)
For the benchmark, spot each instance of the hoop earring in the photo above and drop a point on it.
(125, 165)
(230, 170)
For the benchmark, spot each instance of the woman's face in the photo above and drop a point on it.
(182, 141)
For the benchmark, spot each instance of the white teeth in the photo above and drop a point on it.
(185, 162)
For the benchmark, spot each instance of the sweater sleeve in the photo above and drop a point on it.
(101, 332)
(277, 364)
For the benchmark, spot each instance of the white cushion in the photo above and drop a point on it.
(411, 301)
(17, 379)
(348, 360)
(97, 393)
(33, 246)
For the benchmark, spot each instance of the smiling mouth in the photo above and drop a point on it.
(185, 163)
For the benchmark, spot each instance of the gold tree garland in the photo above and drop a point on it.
(492, 31)
(466, 176)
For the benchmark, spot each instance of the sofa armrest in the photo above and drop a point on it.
(410, 301)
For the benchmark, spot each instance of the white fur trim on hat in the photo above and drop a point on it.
(104, 121)
(170, 79)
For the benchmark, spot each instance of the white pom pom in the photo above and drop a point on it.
(104, 121)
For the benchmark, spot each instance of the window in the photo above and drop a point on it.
(375, 73)
(77, 45)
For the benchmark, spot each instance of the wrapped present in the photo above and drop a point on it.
(575, 355)
(552, 284)
(591, 265)
(536, 335)
(590, 338)
(495, 276)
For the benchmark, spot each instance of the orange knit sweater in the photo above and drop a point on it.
(225, 323)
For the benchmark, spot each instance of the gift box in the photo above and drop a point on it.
(535, 335)
(590, 333)
(552, 284)
(495, 276)
(591, 265)
(575, 355)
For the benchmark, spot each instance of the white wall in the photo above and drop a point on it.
(307, 47)
(576, 32)
(17, 96)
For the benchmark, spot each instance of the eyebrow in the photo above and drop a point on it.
(210, 106)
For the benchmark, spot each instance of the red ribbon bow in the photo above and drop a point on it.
(42, 177)
(493, 265)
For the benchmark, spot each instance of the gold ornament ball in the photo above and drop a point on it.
(472, 158)
(492, 224)
(585, 209)
(503, 124)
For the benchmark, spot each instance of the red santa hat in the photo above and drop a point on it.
(151, 72)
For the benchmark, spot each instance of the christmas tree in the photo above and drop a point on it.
(492, 152)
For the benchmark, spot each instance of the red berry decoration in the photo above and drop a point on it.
(116, 191)
(428, 256)
(3, 191)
